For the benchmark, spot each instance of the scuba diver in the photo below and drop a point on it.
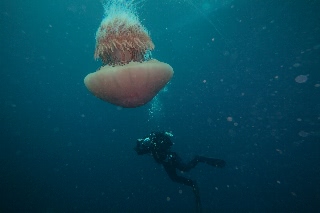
(158, 144)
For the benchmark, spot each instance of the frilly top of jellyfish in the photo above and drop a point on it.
(121, 37)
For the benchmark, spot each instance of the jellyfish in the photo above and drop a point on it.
(129, 76)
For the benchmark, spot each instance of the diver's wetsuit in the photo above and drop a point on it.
(159, 144)
(175, 162)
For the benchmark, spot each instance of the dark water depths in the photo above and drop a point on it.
(246, 89)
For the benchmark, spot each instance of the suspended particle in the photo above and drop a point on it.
(301, 79)
(303, 134)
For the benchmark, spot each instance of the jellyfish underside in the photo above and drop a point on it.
(130, 85)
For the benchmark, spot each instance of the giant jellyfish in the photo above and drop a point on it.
(129, 76)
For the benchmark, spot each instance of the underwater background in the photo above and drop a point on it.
(246, 89)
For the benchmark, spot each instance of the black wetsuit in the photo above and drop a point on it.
(159, 144)
(174, 162)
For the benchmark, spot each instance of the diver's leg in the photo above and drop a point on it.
(196, 193)
(171, 171)
(177, 161)
(211, 161)
(185, 167)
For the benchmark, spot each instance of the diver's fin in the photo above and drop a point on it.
(213, 162)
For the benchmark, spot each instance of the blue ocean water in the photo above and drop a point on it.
(246, 89)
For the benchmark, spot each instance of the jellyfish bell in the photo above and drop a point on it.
(129, 77)
(130, 85)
